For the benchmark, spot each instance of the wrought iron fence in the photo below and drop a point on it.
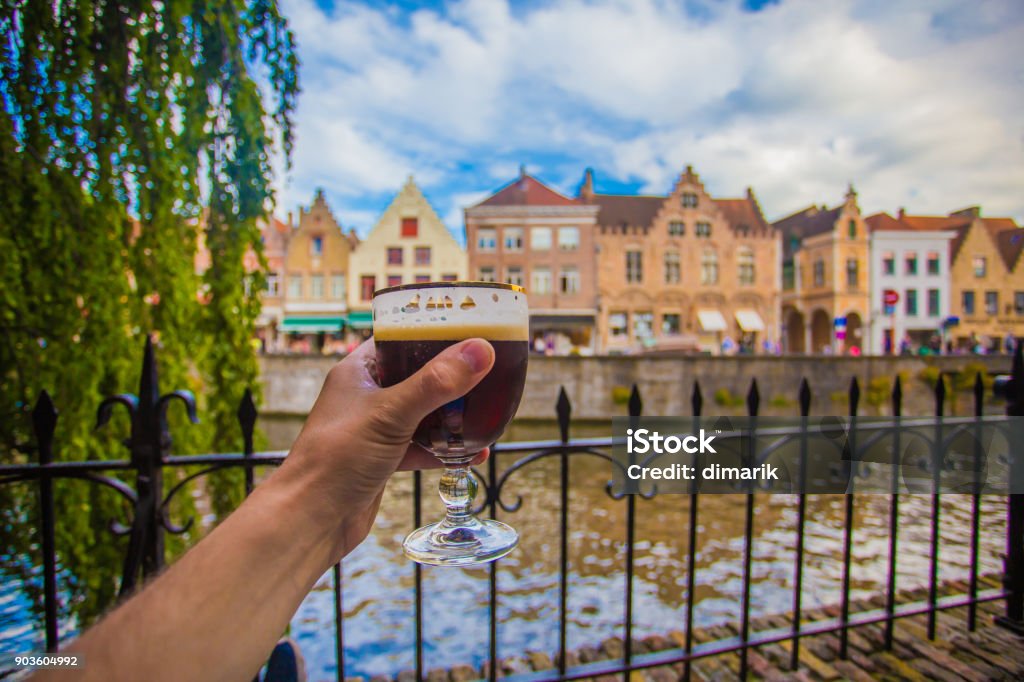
(149, 444)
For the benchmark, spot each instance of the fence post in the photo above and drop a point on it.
(1013, 573)
(44, 422)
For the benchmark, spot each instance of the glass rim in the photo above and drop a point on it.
(455, 283)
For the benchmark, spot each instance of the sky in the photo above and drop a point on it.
(918, 104)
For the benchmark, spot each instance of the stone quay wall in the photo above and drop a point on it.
(598, 387)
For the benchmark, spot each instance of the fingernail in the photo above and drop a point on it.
(477, 354)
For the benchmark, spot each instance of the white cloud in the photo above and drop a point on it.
(918, 105)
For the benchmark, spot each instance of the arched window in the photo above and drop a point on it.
(745, 264)
(709, 267)
(672, 272)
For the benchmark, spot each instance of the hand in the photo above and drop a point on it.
(358, 434)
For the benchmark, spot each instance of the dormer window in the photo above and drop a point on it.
(689, 200)
(410, 227)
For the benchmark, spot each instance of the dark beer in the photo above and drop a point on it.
(465, 426)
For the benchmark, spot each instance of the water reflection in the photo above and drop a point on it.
(378, 585)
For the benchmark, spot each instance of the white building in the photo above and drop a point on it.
(915, 265)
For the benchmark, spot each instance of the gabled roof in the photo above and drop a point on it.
(527, 190)
(743, 211)
(1008, 237)
(622, 210)
(883, 222)
(811, 221)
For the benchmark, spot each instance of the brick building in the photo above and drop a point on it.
(684, 271)
(825, 280)
(528, 234)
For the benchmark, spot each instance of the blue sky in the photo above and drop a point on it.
(919, 104)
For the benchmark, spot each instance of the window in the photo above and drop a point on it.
(295, 286)
(422, 255)
(788, 276)
(910, 261)
(449, 277)
(643, 325)
(709, 267)
(967, 303)
(568, 238)
(852, 273)
(394, 280)
(569, 279)
(745, 263)
(316, 286)
(980, 266)
(618, 325)
(851, 229)
(670, 323)
(317, 246)
(273, 283)
(367, 285)
(634, 266)
(394, 255)
(888, 263)
(540, 280)
(486, 239)
(410, 227)
(540, 238)
(422, 279)
(933, 262)
(933, 303)
(702, 228)
(672, 274)
(676, 228)
(486, 274)
(819, 273)
(910, 299)
(1018, 302)
(338, 287)
(992, 303)
(689, 200)
(514, 275)
(513, 238)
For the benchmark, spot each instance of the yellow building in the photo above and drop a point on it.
(825, 278)
(315, 280)
(987, 279)
(684, 271)
(408, 244)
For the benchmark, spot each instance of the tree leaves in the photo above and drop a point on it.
(128, 131)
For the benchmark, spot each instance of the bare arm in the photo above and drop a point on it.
(217, 613)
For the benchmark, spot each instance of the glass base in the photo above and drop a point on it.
(468, 543)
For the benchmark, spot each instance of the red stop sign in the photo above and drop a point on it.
(890, 297)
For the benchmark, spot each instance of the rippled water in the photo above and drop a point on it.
(378, 594)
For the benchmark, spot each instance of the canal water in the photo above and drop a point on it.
(378, 594)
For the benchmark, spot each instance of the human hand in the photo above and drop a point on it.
(358, 434)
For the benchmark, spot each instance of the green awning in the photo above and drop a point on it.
(360, 319)
(311, 325)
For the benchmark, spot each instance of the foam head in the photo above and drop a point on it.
(451, 313)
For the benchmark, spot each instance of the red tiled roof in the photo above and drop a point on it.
(928, 222)
(527, 190)
(1008, 237)
(743, 212)
(883, 222)
(621, 210)
(280, 225)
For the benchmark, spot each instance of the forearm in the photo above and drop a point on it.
(217, 613)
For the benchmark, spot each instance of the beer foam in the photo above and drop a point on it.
(451, 314)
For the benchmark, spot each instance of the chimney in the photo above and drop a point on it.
(900, 213)
(586, 190)
(291, 219)
(522, 171)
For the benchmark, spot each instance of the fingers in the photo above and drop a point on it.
(418, 459)
(445, 378)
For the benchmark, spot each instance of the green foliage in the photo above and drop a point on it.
(781, 401)
(879, 391)
(930, 375)
(620, 394)
(965, 378)
(128, 131)
(725, 398)
(840, 397)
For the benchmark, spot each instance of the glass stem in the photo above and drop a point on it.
(457, 489)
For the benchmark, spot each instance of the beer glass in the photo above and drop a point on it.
(413, 323)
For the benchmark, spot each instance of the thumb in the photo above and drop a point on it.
(446, 377)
